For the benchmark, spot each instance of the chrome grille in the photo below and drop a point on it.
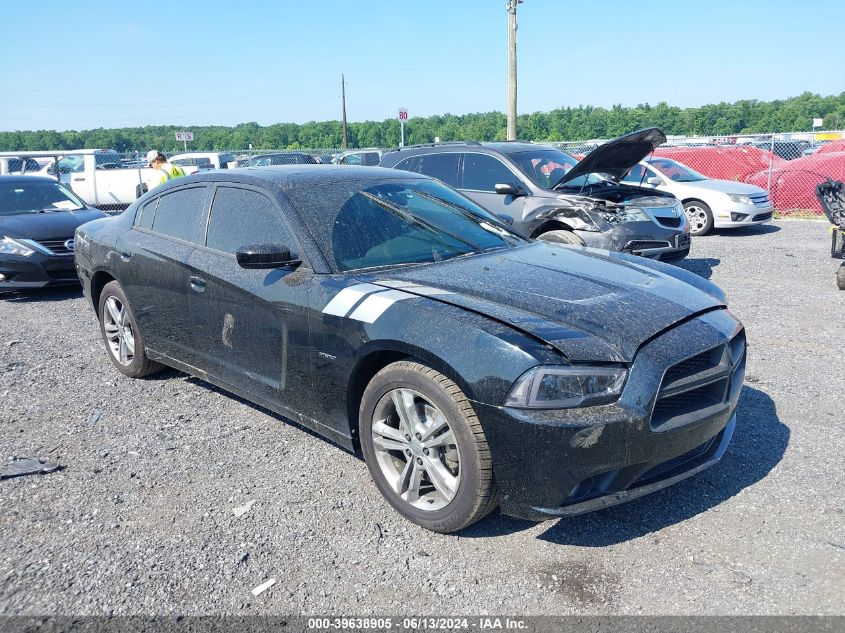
(761, 200)
(58, 246)
(698, 383)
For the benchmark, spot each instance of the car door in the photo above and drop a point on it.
(480, 173)
(251, 326)
(152, 264)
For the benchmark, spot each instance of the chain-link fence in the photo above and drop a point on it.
(787, 167)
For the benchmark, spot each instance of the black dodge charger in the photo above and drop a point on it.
(470, 366)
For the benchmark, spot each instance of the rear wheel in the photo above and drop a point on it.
(121, 335)
(560, 236)
(699, 216)
(425, 448)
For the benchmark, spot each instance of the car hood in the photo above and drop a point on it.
(589, 304)
(616, 158)
(724, 186)
(44, 226)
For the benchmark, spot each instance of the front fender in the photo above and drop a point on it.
(482, 356)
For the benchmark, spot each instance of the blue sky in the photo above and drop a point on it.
(89, 64)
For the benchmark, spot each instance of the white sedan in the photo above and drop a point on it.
(708, 203)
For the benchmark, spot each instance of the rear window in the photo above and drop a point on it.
(179, 213)
(441, 166)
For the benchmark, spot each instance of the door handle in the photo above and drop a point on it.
(197, 284)
(78, 180)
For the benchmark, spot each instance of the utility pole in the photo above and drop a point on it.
(512, 4)
(343, 92)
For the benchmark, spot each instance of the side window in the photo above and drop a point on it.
(441, 166)
(242, 217)
(371, 159)
(635, 175)
(409, 164)
(179, 213)
(146, 214)
(483, 173)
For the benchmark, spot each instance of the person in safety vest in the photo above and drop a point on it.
(164, 170)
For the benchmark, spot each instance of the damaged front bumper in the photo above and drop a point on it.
(644, 238)
(675, 418)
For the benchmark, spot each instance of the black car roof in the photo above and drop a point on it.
(285, 175)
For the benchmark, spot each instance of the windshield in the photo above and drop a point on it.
(545, 168)
(675, 171)
(363, 225)
(36, 197)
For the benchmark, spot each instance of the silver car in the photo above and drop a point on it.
(708, 203)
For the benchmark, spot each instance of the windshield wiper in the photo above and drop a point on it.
(416, 220)
(477, 219)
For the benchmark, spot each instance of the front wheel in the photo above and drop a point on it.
(561, 237)
(840, 277)
(699, 216)
(425, 448)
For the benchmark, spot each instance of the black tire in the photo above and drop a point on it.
(140, 365)
(699, 216)
(840, 277)
(561, 236)
(476, 492)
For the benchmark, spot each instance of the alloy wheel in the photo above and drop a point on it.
(416, 449)
(118, 329)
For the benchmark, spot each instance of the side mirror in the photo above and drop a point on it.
(654, 180)
(507, 189)
(504, 217)
(271, 255)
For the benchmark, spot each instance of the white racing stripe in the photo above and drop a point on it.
(374, 306)
(346, 299)
(367, 302)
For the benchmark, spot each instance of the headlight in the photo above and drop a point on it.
(740, 198)
(636, 214)
(9, 246)
(553, 387)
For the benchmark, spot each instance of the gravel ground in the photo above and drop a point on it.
(140, 521)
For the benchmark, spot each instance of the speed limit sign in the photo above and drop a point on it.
(403, 114)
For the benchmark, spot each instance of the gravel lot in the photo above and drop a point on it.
(140, 521)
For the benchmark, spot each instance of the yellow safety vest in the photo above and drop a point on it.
(169, 172)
